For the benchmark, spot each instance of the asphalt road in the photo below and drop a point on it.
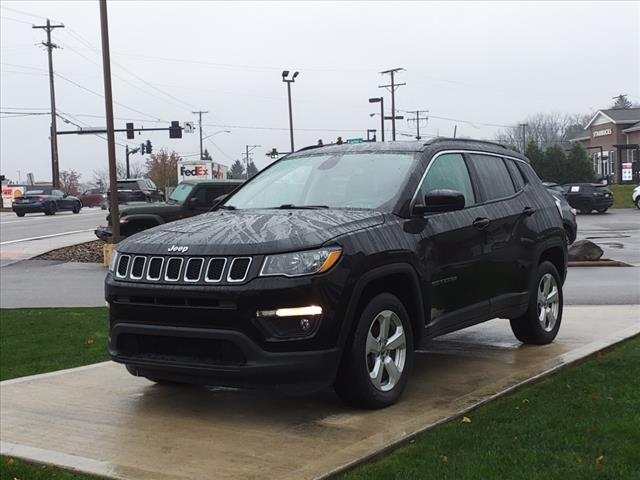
(617, 232)
(35, 225)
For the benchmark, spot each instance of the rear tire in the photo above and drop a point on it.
(638, 202)
(377, 361)
(584, 211)
(77, 207)
(21, 214)
(603, 210)
(50, 209)
(541, 322)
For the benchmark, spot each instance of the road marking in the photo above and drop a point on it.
(46, 236)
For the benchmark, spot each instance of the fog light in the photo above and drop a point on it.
(305, 324)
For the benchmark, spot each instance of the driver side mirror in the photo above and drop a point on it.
(438, 201)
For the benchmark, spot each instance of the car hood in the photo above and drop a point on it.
(143, 208)
(251, 232)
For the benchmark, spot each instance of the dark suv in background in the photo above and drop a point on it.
(332, 265)
(586, 197)
(138, 190)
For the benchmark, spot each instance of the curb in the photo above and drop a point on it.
(597, 263)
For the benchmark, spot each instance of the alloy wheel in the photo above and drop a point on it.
(386, 350)
(548, 302)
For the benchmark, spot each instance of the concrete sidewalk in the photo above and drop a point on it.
(101, 420)
(46, 283)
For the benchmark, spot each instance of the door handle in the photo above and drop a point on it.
(528, 211)
(481, 223)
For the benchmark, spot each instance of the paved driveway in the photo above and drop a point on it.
(101, 420)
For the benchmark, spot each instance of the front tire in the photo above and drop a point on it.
(541, 322)
(638, 202)
(20, 214)
(376, 364)
(77, 207)
(603, 210)
(51, 209)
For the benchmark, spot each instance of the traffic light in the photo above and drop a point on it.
(175, 130)
(130, 133)
(274, 153)
(148, 146)
(142, 149)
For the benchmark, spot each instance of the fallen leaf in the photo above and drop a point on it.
(444, 458)
(89, 341)
(609, 398)
(596, 397)
(526, 400)
(579, 461)
(600, 461)
(466, 420)
(10, 461)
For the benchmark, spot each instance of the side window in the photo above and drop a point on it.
(57, 193)
(448, 171)
(516, 174)
(493, 176)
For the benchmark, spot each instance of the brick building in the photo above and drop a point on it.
(612, 138)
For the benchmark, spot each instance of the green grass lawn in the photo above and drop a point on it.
(580, 423)
(622, 196)
(47, 339)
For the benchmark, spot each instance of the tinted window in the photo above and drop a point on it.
(128, 185)
(516, 174)
(494, 177)
(57, 193)
(448, 171)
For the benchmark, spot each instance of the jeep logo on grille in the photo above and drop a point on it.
(177, 248)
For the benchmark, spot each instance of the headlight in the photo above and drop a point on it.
(112, 262)
(301, 263)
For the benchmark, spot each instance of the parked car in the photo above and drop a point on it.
(189, 198)
(635, 196)
(137, 190)
(567, 213)
(45, 200)
(333, 264)
(94, 197)
(586, 197)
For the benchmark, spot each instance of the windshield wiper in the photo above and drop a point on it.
(224, 207)
(291, 206)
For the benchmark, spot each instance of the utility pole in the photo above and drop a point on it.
(200, 127)
(111, 139)
(248, 150)
(455, 130)
(393, 86)
(417, 120)
(524, 137)
(289, 81)
(55, 169)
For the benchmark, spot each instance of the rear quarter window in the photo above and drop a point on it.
(516, 174)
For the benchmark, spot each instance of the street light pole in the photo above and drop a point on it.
(289, 81)
(380, 100)
(200, 127)
(524, 137)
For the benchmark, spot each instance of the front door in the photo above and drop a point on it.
(451, 248)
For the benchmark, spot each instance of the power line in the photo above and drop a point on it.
(21, 12)
(4, 17)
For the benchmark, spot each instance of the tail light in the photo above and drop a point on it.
(41, 199)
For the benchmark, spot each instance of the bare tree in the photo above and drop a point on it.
(70, 182)
(545, 129)
(136, 170)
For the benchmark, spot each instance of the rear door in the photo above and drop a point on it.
(451, 247)
(507, 243)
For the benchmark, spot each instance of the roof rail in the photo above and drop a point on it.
(473, 140)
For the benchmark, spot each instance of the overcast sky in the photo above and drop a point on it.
(479, 63)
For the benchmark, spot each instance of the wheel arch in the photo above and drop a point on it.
(557, 255)
(399, 279)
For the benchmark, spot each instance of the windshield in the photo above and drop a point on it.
(180, 194)
(342, 180)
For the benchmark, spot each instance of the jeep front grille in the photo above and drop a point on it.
(183, 270)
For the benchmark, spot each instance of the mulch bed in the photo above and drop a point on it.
(90, 252)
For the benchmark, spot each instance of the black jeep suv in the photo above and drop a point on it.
(335, 263)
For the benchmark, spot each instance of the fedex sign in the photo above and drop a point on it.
(191, 170)
(196, 171)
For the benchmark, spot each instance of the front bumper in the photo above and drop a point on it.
(211, 335)
(103, 232)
